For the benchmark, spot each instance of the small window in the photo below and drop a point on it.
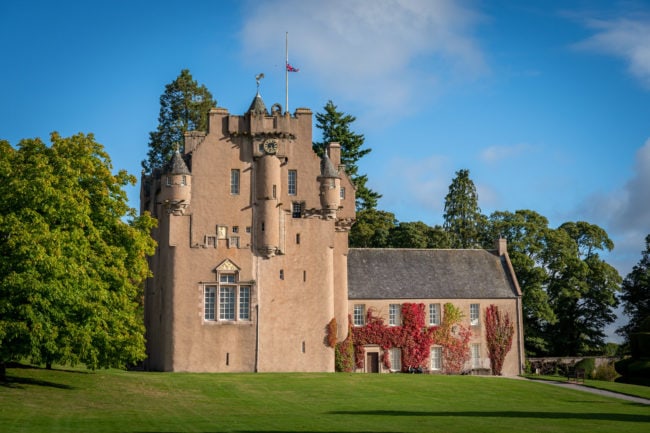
(233, 242)
(292, 184)
(248, 229)
(394, 315)
(342, 192)
(235, 229)
(275, 191)
(395, 359)
(359, 315)
(227, 278)
(474, 312)
(434, 314)
(211, 241)
(304, 275)
(169, 181)
(184, 180)
(296, 209)
(436, 358)
(282, 274)
(298, 238)
(234, 182)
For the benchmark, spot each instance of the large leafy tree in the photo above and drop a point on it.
(462, 218)
(184, 106)
(372, 229)
(417, 235)
(71, 268)
(581, 288)
(336, 127)
(526, 232)
(635, 294)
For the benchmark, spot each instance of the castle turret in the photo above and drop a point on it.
(176, 188)
(330, 184)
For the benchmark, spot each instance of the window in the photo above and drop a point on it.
(235, 229)
(184, 180)
(244, 302)
(282, 274)
(474, 314)
(227, 300)
(227, 303)
(394, 315)
(248, 229)
(233, 242)
(296, 209)
(169, 181)
(342, 192)
(436, 358)
(292, 184)
(434, 314)
(234, 182)
(210, 241)
(209, 296)
(395, 359)
(476, 355)
(359, 314)
(297, 238)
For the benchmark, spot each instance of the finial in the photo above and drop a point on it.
(176, 146)
(258, 77)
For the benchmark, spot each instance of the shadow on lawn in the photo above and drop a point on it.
(17, 382)
(509, 414)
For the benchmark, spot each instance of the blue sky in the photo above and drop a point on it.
(546, 103)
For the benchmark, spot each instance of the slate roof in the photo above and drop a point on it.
(177, 165)
(258, 106)
(376, 273)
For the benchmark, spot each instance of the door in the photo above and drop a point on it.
(372, 362)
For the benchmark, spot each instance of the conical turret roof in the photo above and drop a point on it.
(327, 168)
(257, 106)
(177, 164)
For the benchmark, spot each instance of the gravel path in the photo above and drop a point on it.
(602, 392)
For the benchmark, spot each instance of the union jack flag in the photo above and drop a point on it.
(292, 69)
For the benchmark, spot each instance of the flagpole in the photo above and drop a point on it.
(286, 72)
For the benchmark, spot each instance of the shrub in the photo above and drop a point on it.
(605, 372)
(588, 365)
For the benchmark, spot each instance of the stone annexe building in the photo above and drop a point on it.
(253, 261)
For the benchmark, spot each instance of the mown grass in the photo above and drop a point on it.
(621, 388)
(36, 400)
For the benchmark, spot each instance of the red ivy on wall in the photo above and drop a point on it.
(414, 338)
(499, 331)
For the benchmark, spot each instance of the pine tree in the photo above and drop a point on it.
(463, 218)
(636, 294)
(184, 106)
(336, 128)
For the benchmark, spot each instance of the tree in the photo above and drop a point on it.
(498, 334)
(636, 294)
(581, 288)
(463, 218)
(371, 229)
(184, 106)
(526, 232)
(336, 128)
(417, 235)
(71, 270)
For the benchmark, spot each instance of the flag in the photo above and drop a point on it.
(291, 68)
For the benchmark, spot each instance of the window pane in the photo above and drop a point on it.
(227, 303)
(244, 302)
(359, 313)
(436, 358)
(396, 359)
(227, 278)
(474, 314)
(434, 314)
(476, 355)
(293, 182)
(209, 298)
(394, 318)
(234, 181)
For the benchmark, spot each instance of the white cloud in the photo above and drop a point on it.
(627, 38)
(625, 212)
(388, 54)
(494, 154)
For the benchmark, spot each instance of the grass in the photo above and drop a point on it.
(37, 400)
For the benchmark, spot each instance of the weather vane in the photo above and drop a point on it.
(258, 77)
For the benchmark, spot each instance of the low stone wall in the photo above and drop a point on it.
(560, 365)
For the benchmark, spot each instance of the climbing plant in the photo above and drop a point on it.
(413, 337)
(499, 331)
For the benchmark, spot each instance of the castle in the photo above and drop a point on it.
(252, 260)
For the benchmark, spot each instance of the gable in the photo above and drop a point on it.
(427, 274)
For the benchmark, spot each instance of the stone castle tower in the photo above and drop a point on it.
(252, 234)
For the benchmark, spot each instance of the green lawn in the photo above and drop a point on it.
(36, 400)
(621, 388)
